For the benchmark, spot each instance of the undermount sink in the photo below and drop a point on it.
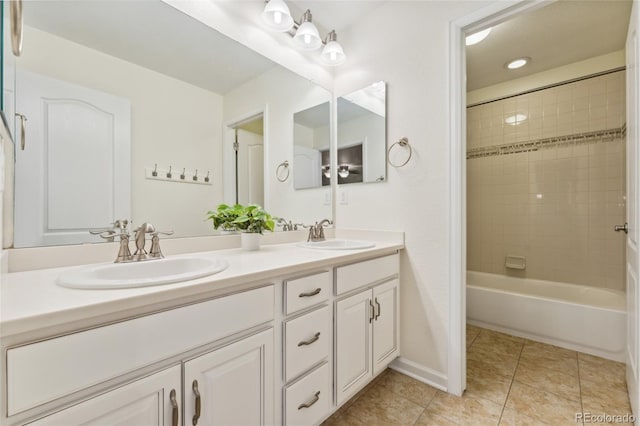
(338, 244)
(142, 274)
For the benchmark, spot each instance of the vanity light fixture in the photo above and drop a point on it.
(343, 171)
(517, 63)
(276, 15)
(477, 37)
(326, 171)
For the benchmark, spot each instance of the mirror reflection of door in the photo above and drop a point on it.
(249, 139)
(311, 165)
(68, 122)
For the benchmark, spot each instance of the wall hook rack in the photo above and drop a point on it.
(155, 173)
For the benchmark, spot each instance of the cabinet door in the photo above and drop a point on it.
(235, 384)
(385, 325)
(154, 400)
(353, 344)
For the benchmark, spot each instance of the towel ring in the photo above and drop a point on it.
(404, 142)
(285, 165)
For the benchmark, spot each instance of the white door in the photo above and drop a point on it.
(307, 167)
(155, 400)
(633, 253)
(250, 168)
(77, 148)
(233, 385)
(385, 325)
(353, 344)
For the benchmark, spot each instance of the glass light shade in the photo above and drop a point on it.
(326, 171)
(332, 54)
(307, 37)
(343, 171)
(276, 15)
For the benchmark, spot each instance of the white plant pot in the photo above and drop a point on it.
(250, 241)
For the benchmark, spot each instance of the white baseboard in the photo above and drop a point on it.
(420, 372)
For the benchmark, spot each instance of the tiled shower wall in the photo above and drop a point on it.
(557, 205)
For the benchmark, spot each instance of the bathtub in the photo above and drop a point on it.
(586, 319)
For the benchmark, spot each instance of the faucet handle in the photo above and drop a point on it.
(155, 251)
(108, 234)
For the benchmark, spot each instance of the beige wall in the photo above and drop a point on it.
(415, 198)
(556, 206)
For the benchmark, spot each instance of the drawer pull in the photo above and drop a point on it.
(196, 416)
(315, 399)
(378, 310)
(310, 341)
(174, 407)
(311, 293)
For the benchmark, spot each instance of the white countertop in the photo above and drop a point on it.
(33, 306)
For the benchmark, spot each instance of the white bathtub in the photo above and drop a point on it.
(581, 318)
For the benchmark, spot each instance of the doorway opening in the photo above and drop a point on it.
(246, 139)
(531, 193)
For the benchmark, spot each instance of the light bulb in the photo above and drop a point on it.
(277, 17)
(333, 56)
(307, 39)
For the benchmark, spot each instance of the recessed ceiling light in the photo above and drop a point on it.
(517, 63)
(514, 120)
(476, 38)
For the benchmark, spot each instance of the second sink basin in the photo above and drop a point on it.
(338, 244)
(142, 274)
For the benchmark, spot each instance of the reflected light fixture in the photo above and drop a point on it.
(477, 37)
(276, 15)
(517, 63)
(514, 120)
(343, 170)
(326, 171)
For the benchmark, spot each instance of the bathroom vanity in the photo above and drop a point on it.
(282, 336)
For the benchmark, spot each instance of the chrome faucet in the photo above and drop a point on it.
(316, 231)
(141, 232)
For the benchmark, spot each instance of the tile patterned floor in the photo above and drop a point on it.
(510, 381)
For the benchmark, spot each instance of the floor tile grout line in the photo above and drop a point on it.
(513, 378)
(580, 387)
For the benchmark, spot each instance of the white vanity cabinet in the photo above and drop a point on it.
(366, 323)
(232, 385)
(151, 401)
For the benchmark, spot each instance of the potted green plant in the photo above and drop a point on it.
(250, 220)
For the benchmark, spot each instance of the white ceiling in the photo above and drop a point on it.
(153, 35)
(561, 33)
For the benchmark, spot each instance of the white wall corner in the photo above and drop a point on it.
(421, 373)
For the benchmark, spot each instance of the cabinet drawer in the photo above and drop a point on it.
(303, 292)
(306, 341)
(308, 400)
(43, 371)
(351, 277)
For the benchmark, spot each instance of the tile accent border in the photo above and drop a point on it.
(607, 135)
(421, 373)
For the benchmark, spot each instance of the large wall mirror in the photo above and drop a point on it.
(311, 140)
(362, 140)
(133, 109)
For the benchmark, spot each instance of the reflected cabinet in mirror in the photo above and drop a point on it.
(311, 139)
(127, 106)
(362, 138)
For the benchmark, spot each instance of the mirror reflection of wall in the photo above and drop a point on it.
(311, 139)
(362, 135)
(174, 95)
